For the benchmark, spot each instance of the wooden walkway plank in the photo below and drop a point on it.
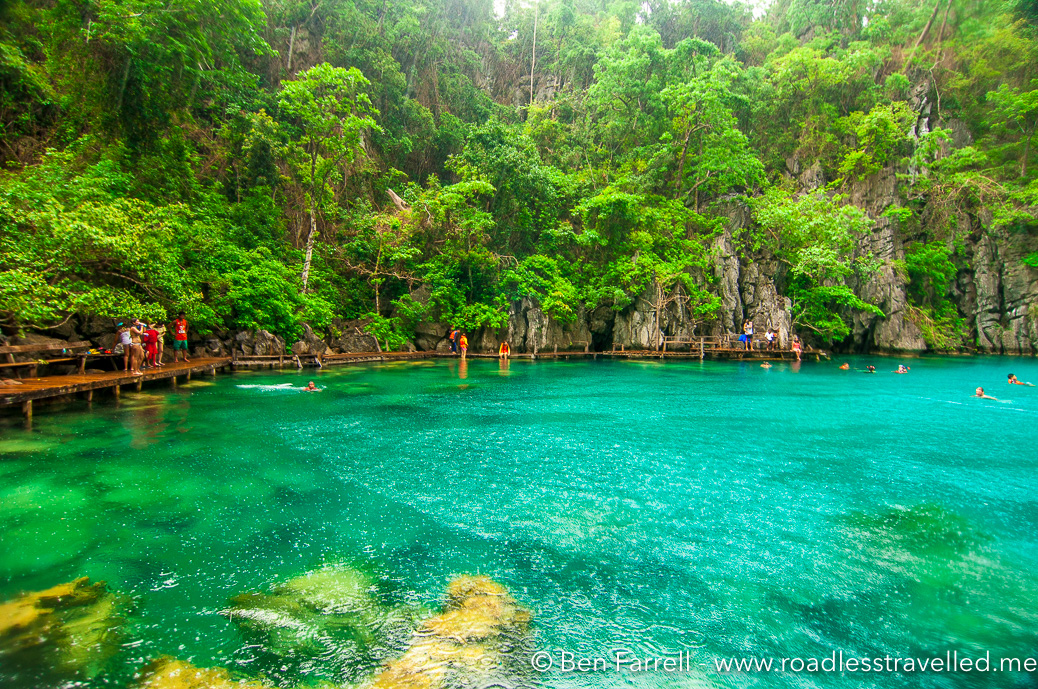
(57, 386)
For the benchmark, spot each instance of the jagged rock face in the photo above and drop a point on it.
(431, 337)
(886, 287)
(310, 343)
(727, 271)
(530, 329)
(635, 327)
(351, 337)
(259, 343)
(1004, 295)
(762, 303)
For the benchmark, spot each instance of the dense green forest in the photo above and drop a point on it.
(264, 164)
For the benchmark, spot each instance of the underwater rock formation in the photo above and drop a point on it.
(69, 630)
(331, 614)
(169, 673)
(482, 639)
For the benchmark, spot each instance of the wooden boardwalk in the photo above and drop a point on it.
(312, 360)
(31, 389)
(730, 354)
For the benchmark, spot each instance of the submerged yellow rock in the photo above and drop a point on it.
(170, 673)
(69, 629)
(481, 638)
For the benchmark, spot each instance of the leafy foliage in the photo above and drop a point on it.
(264, 163)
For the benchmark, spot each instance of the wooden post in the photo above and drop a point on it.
(116, 390)
(90, 395)
(189, 374)
(140, 381)
(27, 410)
(702, 348)
(556, 348)
(82, 364)
(281, 360)
(173, 381)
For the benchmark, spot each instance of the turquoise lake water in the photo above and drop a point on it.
(716, 508)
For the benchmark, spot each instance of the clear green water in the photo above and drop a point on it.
(718, 507)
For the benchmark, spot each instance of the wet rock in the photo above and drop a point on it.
(169, 673)
(69, 630)
(481, 639)
(332, 613)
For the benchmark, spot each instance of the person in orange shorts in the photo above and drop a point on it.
(463, 342)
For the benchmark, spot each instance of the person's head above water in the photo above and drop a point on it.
(980, 392)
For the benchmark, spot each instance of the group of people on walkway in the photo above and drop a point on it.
(459, 341)
(143, 344)
(771, 338)
(459, 344)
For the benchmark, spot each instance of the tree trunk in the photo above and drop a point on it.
(309, 250)
(291, 49)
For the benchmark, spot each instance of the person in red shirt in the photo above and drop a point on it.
(180, 337)
(151, 343)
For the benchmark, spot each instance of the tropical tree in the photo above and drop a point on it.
(329, 112)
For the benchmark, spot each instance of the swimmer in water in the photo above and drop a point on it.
(766, 364)
(901, 368)
(870, 369)
(845, 367)
(981, 395)
(311, 387)
(1013, 380)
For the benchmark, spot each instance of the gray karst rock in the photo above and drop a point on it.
(259, 343)
(310, 343)
(351, 337)
(529, 328)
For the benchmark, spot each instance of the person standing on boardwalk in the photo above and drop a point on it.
(151, 344)
(452, 337)
(161, 344)
(136, 351)
(747, 335)
(180, 337)
(463, 342)
(123, 334)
